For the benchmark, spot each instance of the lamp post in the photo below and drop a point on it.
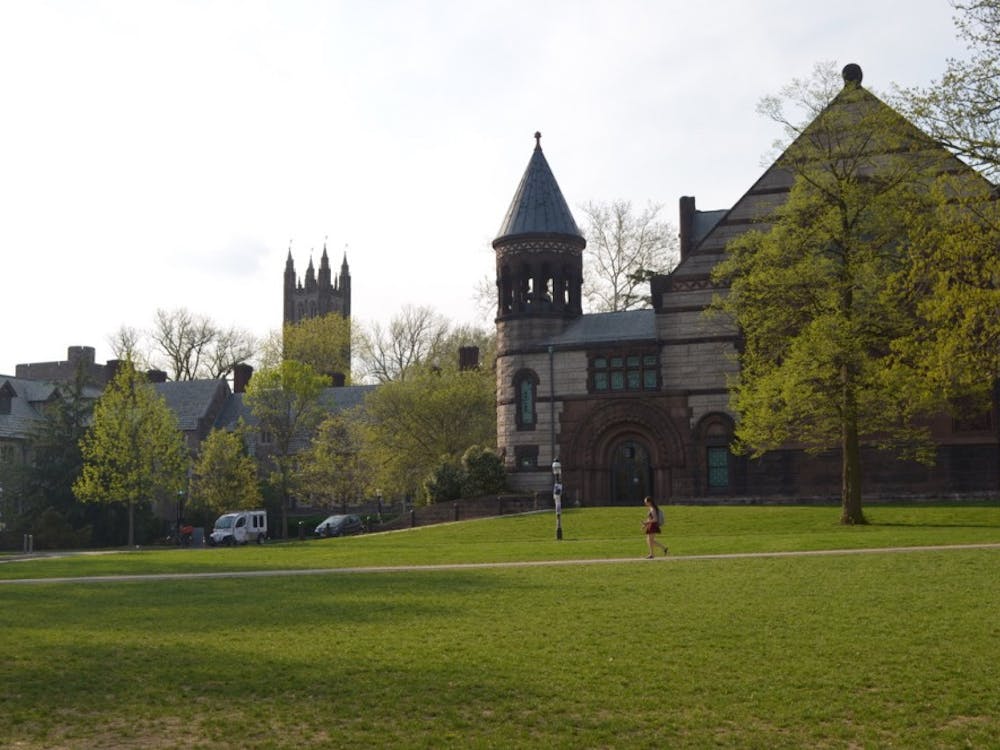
(557, 489)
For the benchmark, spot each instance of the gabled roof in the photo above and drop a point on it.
(538, 206)
(771, 189)
(192, 401)
(26, 399)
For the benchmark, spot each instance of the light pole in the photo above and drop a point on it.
(557, 489)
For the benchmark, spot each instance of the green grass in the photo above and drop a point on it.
(885, 649)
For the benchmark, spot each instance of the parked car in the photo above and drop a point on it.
(340, 525)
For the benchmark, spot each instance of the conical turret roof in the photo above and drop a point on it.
(538, 206)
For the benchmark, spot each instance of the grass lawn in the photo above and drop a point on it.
(882, 649)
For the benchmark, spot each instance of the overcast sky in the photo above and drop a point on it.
(167, 154)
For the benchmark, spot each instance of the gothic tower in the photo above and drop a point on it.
(539, 278)
(318, 295)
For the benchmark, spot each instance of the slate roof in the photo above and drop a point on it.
(334, 399)
(25, 404)
(538, 206)
(600, 328)
(192, 400)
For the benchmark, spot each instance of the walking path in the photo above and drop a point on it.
(474, 566)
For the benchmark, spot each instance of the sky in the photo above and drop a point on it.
(165, 154)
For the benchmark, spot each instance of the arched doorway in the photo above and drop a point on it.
(631, 475)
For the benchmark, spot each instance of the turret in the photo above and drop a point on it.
(539, 259)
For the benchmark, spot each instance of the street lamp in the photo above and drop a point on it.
(557, 489)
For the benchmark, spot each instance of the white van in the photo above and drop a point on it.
(240, 527)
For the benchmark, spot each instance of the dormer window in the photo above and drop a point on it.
(7, 395)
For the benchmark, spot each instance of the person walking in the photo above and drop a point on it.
(654, 517)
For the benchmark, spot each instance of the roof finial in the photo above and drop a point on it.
(538, 139)
(852, 74)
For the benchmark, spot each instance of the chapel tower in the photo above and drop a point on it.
(319, 295)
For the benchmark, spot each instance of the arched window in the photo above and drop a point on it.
(525, 398)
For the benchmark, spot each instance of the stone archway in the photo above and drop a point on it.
(596, 463)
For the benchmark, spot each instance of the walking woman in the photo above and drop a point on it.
(654, 517)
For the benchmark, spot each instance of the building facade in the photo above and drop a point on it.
(636, 403)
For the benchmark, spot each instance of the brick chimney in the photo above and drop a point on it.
(156, 376)
(687, 212)
(111, 368)
(468, 357)
(241, 377)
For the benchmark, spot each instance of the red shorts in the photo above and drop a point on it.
(652, 527)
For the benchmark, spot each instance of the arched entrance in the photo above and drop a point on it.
(631, 473)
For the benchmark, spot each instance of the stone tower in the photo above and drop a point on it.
(539, 256)
(317, 295)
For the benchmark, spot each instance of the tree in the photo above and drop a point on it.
(285, 400)
(334, 468)
(133, 451)
(224, 476)
(412, 338)
(228, 348)
(183, 338)
(193, 346)
(813, 294)
(47, 480)
(324, 343)
(126, 344)
(952, 284)
(624, 250)
(962, 109)
(433, 416)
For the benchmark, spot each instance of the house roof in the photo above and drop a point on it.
(538, 206)
(26, 400)
(192, 400)
(604, 328)
(713, 230)
(335, 400)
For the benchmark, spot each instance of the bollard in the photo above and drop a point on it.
(302, 531)
(413, 517)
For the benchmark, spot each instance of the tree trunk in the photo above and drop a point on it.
(850, 492)
(131, 523)
(850, 455)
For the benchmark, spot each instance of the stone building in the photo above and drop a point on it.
(635, 403)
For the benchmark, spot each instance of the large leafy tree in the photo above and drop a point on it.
(958, 258)
(434, 415)
(133, 452)
(811, 292)
(625, 248)
(324, 343)
(285, 400)
(224, 476)
(335, 467)
(961, 109)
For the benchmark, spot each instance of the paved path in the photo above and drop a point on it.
(475, 566)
